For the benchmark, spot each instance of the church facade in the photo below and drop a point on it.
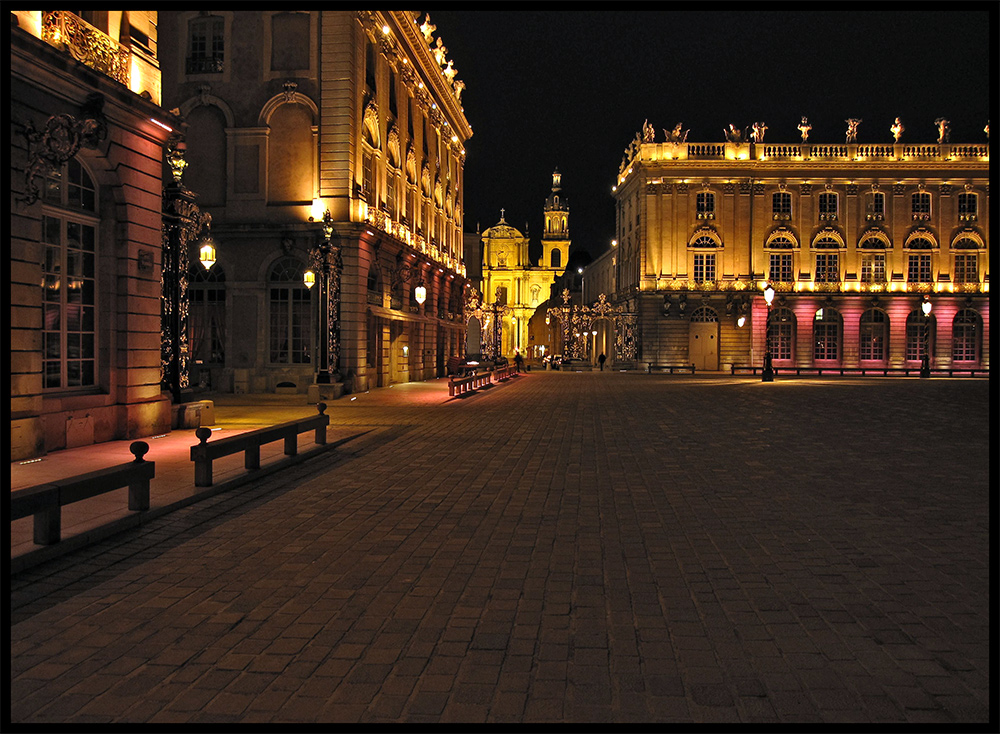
(877, 254)
(513, 285)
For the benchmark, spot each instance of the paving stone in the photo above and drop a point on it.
(609, 547)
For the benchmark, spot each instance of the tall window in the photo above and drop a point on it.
(920, 205)
(828, 267)
(704, 267)
(367, 180)
(966, 268)
(874, 330)
(965, 336)
(826, 334)
(555, 260)
(967, 207)
(873, 267)
(206, 45)
(781, 333)
(876, 207)
(781, 205)
(390, 192)
(781, 267)
(919, 331)
(69, 279)
(827, 205)
(207, 314)
(918, 268)
(705, 203)
(290, 313)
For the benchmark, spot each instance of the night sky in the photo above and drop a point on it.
(571, 89)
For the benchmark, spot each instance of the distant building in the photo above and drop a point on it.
(853, 239)
(87, 140)
(293, 114)
(511, 280)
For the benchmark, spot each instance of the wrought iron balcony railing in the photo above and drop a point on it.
(87, 44)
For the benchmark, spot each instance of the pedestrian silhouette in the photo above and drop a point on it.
(601, 360)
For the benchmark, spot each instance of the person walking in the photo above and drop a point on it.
(518, 360)
(601, 360)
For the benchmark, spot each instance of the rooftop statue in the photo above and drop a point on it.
(944, 130)
(759, 128)
(677, 135)
(440, 52)
(804, 128)
(733, 135)
(852, 129)
(897, 130)
(427, 29)
(459, 86)
(648, 133)
(450, 71)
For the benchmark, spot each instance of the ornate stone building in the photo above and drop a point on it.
(853, 238)
(87, 139)
(511, 280)
(328, 147)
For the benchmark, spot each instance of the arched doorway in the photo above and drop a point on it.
(703, 339)
(474, 339)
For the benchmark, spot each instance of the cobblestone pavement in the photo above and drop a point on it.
(566, 547)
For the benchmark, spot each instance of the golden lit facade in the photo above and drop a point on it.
(853, 238)
(524, 286)
(337, 130)
(87, 143)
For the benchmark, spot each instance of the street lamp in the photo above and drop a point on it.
(420, 293)
(925, 362)
(324, 271)
(767, 374)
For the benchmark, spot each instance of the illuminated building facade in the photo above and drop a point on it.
(853, 238)
(87, 141)
(510, 279)
(328, 146)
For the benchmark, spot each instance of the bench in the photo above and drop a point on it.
(45, 501)
(504, 373)
(204, 453)
(670, 368)
(865, 371)
(461, 385)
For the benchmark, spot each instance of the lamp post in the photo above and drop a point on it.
(767, 374)
(925, 362)
(497, 311)
(324, 271)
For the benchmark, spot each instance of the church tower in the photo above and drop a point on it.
(555, 232)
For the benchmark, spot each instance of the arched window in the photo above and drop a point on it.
(874, 333)
(920, 333)
(69, 278)
(290, 313)
(826, 334)
(555, 259)
(965, 336)
(207, 314)
(781, 333)
(704, 314)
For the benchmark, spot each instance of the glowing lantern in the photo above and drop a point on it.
(206, 255)
(309, 278)
(420, 293)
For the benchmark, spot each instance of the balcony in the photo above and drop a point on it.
(87, 44)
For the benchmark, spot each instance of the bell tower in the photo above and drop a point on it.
(555, 232)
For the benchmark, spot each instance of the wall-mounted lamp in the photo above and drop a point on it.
(420, 293)
(309, 278)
